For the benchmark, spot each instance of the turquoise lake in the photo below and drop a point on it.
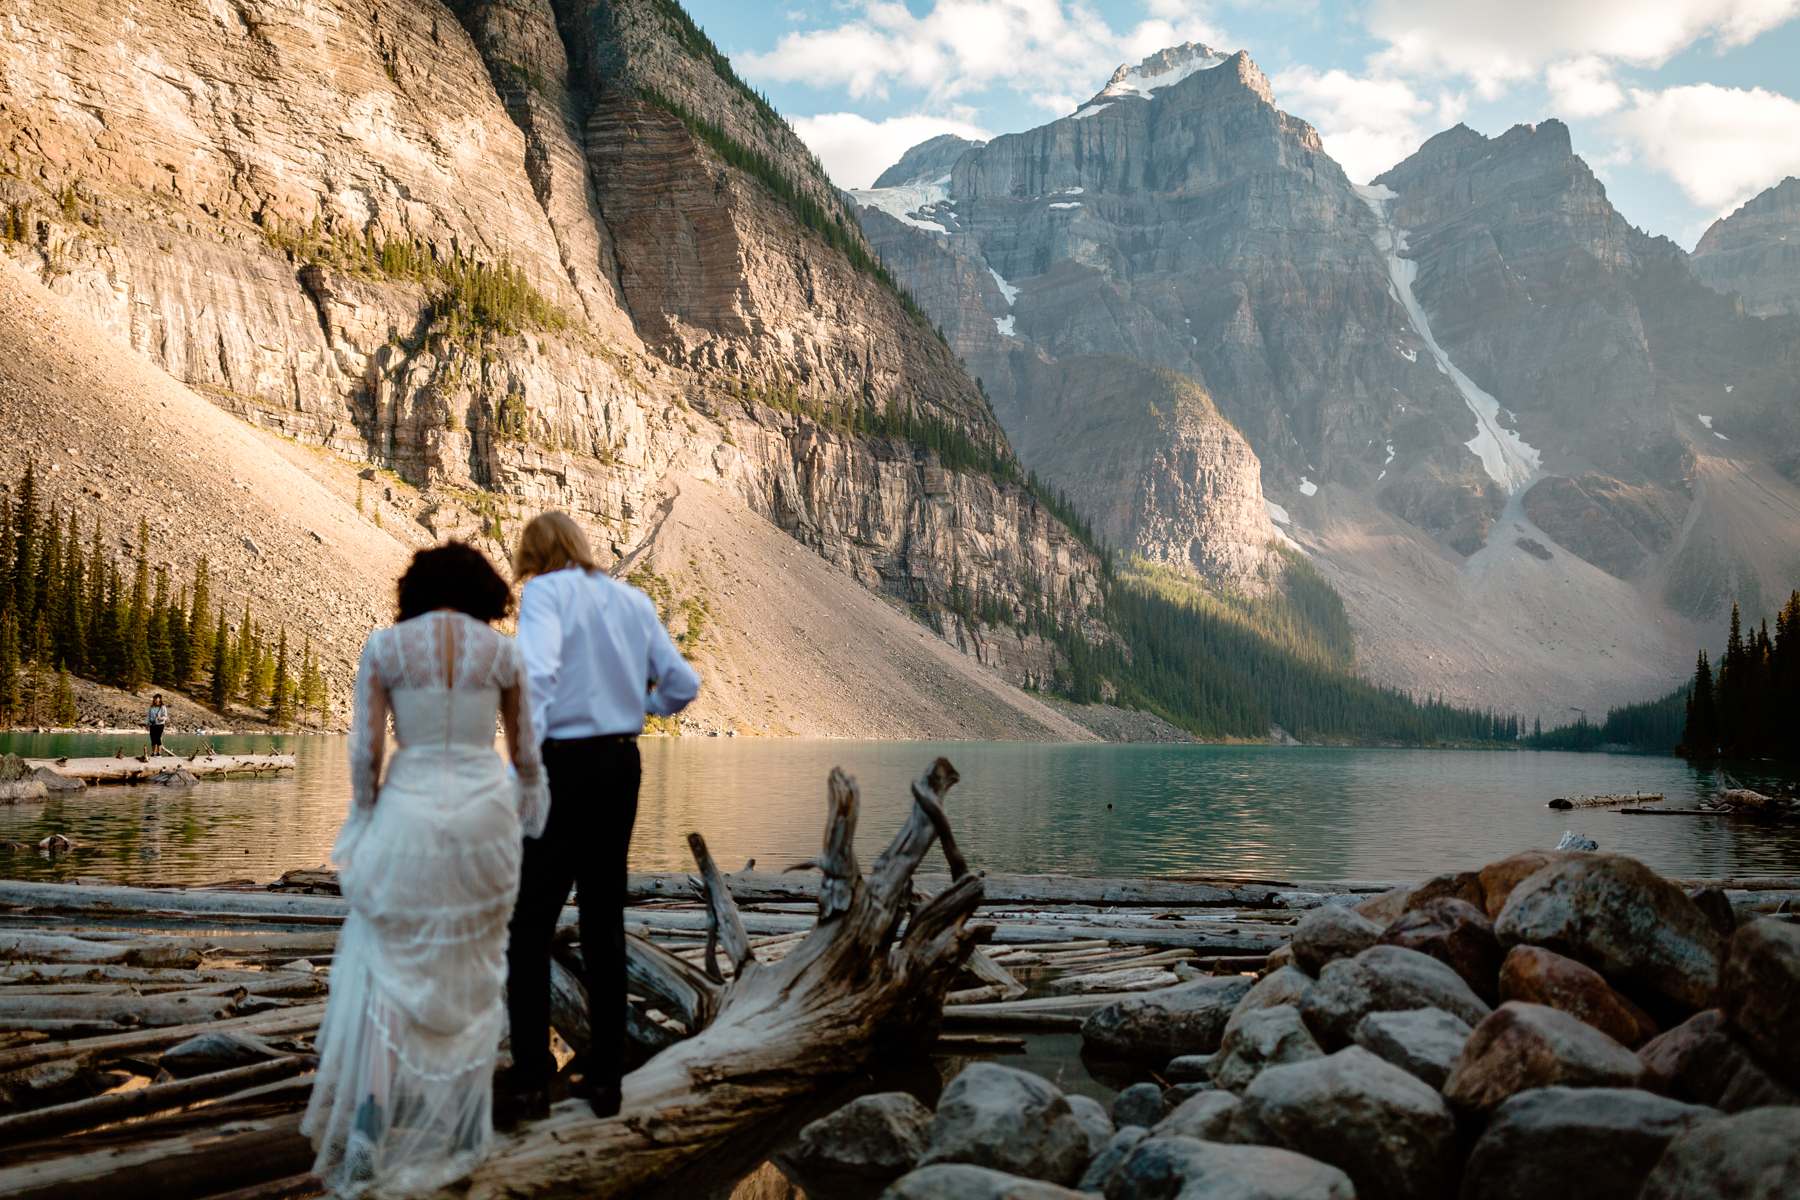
(1254, 811)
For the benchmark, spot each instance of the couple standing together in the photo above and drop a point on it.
(457, 867)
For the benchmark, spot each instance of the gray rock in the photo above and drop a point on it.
(1524, 1046)
(1178, 1094)
(1715, 905)
(1575, 1143)
(1392, 1134)
(1457, 934)
(1327, 934)
(960, 1181)
(1752, 1156)
(1422, 1041)
(1011, 1120)
(1570, 840)
(1139, 1104)
(217, 1051)
(1284, 985)
(1161, 1168)
(1262, 1038)
(1192, 1068)
(1384, 979)
(858, 1148)
(1111, 1157)
(1625, 921)
(1703, 1061)
(54, 782)
(1091, 1115)
(1155, 1027)
(1207, 1117)
(1758, 990)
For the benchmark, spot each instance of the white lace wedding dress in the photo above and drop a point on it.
(430, 864)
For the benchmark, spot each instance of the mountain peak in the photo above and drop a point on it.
(929, 160)
(1165, 68)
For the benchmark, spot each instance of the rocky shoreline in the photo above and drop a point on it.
(1557, 1023)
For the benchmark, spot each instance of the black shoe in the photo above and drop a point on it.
(605, 1101)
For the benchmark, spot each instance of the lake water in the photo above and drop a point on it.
(1255, 811)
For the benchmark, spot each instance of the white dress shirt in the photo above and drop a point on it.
(597, 657)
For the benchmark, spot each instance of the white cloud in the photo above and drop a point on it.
(855, 149)
(1367, 124)
(1720, 145)
(1049, 50)
(1496, 42)
(1582, 87)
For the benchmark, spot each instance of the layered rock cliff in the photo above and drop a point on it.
(1755, 252)
(548, 251)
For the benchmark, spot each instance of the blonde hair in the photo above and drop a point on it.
(550, 542)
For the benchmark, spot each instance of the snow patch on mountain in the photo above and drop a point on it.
(1706, 419)
(1086, 111)
(1006, 289)
(910, 203)
(1164, 69)
(1277, 514)
(1505, 456)
(1004, 325)
(1067, 204)
(1308, 487)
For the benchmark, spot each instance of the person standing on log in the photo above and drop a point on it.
(597, 659)
(157, 719)
(429, 860)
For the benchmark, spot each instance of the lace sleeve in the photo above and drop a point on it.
(522, 743)
(368, 745)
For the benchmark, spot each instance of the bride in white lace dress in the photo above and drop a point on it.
(429, 860)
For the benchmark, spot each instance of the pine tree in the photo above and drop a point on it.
(181, 645)
(63, 711)
(71, 608)
(97, 567)
(243, 659)
(281, 708)
(6, 553)
(137, 623)
(1700, 738)
(23, 598)
(221, 666)
(9, 667)
(161, 653)
(49, 566)
(199, 621)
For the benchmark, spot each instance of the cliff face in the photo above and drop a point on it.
(1755, 252)
(550, 251)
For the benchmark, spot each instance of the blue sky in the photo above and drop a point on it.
(1685, 108)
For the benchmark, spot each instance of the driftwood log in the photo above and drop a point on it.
(147, 768)
(871, 976)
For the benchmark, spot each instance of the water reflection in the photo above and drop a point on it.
(1127, 810)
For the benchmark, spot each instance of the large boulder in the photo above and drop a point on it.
(1624, 920)
(1526, 1046)
(1716, 906)
(1285, 985)
(1384, 979)
(1091, 1115)
(1192, 1068)
(1760, 993)
(1262, 1038)
(1161, 1168)
(1112, 1156)
(1575, 1143)
(1011, 1120)
(1702, 1061)
(1383, 907)
(1454, 885)
(1329, 933)
(1156, 1026)
(1498, 879)
(1393, 1135)
(960, 1181)
(1423, 1041)
(1207, 1116)
(1139, 1104)
(860, 1147)
(1752, 1156)
(1539, 976)
(1457, 934)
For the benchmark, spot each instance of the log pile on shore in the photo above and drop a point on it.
(1340, 1039)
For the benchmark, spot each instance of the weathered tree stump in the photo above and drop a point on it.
(776, 1033)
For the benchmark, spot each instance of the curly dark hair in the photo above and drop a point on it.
(454, 575)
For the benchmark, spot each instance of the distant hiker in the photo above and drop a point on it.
(429, 861)
(157, 719)
(597, 658)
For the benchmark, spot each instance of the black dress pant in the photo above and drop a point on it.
(593, 805)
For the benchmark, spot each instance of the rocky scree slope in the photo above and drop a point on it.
(521, 254)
